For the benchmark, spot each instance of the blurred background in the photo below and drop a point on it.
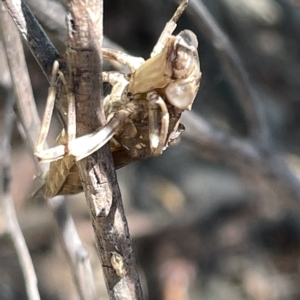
(201, 230)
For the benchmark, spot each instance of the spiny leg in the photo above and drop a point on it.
(44, 155)
(71, 112)
(157, 137)
(59, 151)
(87, 144)
(169, 28)
(132, 62)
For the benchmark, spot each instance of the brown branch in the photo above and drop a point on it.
(74, 250)
(232, 65)
(97, 172)
(18, 69)
(12, 225)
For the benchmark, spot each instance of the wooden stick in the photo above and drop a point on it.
(12, 225)
(27, 112)
(97, 172)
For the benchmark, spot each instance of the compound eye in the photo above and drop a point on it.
(188, 40)
(186, 54)
(181, 95)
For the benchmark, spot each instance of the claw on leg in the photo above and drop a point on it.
(44, 155)
(157, 137)
(88, 144)
(51, 154)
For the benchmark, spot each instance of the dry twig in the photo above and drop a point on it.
(97, 172)
(12, 227)
(74, 250)
(9, 214)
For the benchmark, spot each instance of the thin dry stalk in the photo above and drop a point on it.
(12, 225)
(74, 250)
(97, 172)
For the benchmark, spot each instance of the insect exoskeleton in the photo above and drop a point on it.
(182, 89)
(175, 70)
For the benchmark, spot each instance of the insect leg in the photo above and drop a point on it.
(132, 62)
(59, 151)
(157, 137)
(115, 99)
(169, 28)
(71, 113)
(87, 144)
